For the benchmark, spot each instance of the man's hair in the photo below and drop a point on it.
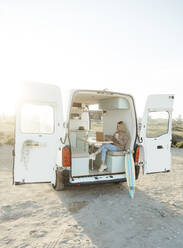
(123, 127)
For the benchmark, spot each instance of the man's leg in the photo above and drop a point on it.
(111, 147)
(104, 149)
(103, 154)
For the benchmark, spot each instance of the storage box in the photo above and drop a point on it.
(80, 163)
(116, 164)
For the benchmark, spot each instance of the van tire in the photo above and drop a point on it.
(59, 184)
(18, 183)
(137, 171)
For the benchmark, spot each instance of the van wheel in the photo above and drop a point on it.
(59, 185)
(17, 183)
(137, 171)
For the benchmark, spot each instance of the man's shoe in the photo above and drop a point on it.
(92, 156)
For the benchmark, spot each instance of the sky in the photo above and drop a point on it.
(128, 46)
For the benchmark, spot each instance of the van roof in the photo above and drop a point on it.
(94, 96)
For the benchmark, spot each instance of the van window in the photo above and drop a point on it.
(96, 120)
(157, 124)
(93, 107)
(37, 119)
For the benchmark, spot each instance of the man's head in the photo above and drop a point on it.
(121, 126)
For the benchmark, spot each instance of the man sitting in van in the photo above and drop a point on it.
(120, 139)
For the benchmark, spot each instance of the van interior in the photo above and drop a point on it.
(94, 115)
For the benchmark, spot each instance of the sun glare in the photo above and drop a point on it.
(8, 97)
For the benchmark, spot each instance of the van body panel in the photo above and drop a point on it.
(156, 133)
(38, 129)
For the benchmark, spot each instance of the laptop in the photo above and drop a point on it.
(100, 136)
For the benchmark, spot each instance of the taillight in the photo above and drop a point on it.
(137, 154)
(66, 157)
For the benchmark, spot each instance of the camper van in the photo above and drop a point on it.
(54, 147)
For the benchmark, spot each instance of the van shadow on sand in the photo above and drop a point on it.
(109, 218)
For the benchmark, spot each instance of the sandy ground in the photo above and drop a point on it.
(92, 216)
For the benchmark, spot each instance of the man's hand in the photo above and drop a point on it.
(116, 136)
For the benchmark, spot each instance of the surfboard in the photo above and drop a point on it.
(130, 172)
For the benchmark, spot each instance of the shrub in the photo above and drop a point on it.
(10, 141)
(176, 139)
(7, 139)
(179, 144)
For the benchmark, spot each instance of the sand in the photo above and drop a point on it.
(102, 216)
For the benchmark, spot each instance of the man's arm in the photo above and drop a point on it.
(108, 137)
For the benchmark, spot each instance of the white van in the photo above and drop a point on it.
(51, 148)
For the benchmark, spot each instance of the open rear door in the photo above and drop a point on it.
(38, 128)
(156, 133)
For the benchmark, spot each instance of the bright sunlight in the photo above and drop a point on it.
(8, 96)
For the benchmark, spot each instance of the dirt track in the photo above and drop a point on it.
(92, 216)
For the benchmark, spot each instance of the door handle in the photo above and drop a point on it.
(159, 147)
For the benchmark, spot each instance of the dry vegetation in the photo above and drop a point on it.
(7, 126)
(177, 133)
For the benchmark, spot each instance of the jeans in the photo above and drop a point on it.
(106, 147)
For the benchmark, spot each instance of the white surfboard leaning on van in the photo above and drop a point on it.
(51, 147)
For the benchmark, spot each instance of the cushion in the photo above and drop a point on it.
(120, 153)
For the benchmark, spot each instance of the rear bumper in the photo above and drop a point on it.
(99, 182)
(98, 179)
